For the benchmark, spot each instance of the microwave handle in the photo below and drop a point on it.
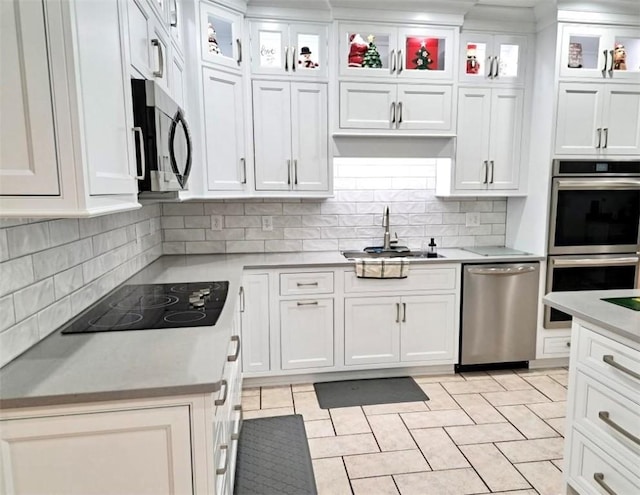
(172, 155)
(631, 260)
(143, 160)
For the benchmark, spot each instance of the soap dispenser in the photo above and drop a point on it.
(431, 251)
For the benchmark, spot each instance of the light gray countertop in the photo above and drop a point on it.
(589, 306)
(75, 368)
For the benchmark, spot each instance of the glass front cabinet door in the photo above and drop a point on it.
(298, 50)
(221, 36)
(385, 51)
(600, 53)
(486, 58)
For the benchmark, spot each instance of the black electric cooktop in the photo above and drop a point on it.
(154, 306)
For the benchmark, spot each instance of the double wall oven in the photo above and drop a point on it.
(594, 234)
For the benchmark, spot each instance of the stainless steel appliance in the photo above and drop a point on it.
(594, 229)
(153, 306)
(164, 151)
(499, 313)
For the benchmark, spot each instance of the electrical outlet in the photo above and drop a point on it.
(472, 219)
(267, 223)
(216, 222)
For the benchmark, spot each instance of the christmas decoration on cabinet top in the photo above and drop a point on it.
(473, 66)
(213, 42)
(305, 60)
(424, 53)
(619, 57)
(357, 49)
(372, 56)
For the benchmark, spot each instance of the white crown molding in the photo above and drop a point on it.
(499, 18)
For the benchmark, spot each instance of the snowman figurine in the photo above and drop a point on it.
(305, 60)
(213, 43)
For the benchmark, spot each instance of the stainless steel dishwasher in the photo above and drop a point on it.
(499, 313)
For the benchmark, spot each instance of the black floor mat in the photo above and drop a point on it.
(273, 458)
(368, 392)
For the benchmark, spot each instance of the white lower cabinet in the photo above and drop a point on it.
(306, 333)
(255, 314)
(101, 452)
(427, 328)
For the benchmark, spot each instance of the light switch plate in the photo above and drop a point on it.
(216, 222)
(267, 223)
(472, 219)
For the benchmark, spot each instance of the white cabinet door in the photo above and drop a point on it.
(472, 154)
(371, 330)
(578, 128)
(427, 330)
(177, 80)
(424, 107)
(309, 50)
(160, 43)
(134, 452)
(140, 21)
(510, 60)
(426, 53)
(272, 135)
(102, 76)
(221, 35)
(254, 306)
(359, 58)
(28, 156)
(505, 138)
(224, 130)
(310, 146)
(584, 52)
(621, 120)
(306, 333)
(367, 106)
(271, 52)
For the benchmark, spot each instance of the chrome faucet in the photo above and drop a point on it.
(386, 244)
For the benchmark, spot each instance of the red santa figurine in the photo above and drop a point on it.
(357, 48)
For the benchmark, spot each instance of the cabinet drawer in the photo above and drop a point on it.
(603, 410)
(617, 361)
(295, 284)
(557, 345)
(418, 280)
(587, 461)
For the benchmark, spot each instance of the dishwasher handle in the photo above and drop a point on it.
(502, 271)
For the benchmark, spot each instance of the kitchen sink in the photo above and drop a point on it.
(386, 254)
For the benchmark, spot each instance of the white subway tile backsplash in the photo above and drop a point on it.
(301, 208)
(261, 235)
(454, 218)
(7, 314)
(174, 247)
(426, 219)
(493, 217)
(103, 243)
(331, 207)
(263, 209)
(479, 230)
(443, 206)
(489, 240)
(498, 229)
(242, 221)
(375, 183)
(353, 220)
(183, 209)
(223, 209)
(172, 222)
(409, 183)
(245, 246)
(197, 222)
(55, 260)
(287, 221)
(32, 299)
(320, 245)
(481, 206)
(27, 239)
(319, 220)
(16, 274)
(17, 339)
(457, 241)
(205, 247)
(183, 235)
(354, 196)
(54, 316)
(64, 231)
(68, 281)
(282, 246)
(302, 233)
(224, 235)
(4, 245)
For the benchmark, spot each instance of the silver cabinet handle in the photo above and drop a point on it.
(597, 262)
(611, 66)
(599, 477)
(293, 58)
(174, 14)
(286, 58)
(158, 73)
(393, 112)
(239, 43)
(404, 312)
(491, 179)
(220, 402)
(143, 160)
(224, 449)
(243, 162)
(400, 63)
(604, 416)
(599, 129)
(399, 120)
(312, 303)
(392, 61)
(289, 172)
(502, 271)
(295, 172)
(234, 357)
(397, 312)
(489, 66)
(485, 168)
(608, 358)
(604, 67)
(606, 137)
(242, 307)
(235, 435)
(309, 284)
(497, 68)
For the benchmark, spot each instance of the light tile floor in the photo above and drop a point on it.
(481, 432)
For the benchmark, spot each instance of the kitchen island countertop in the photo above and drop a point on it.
(64, 369)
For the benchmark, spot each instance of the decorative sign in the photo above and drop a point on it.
(270, 49)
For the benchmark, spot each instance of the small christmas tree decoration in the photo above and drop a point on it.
(372, 57)
(422, 59)
(213, 42)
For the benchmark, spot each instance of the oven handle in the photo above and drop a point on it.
(631, 260)
(598, 184)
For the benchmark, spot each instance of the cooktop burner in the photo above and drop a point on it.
(154, 306)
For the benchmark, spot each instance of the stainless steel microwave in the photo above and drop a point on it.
(164, 152)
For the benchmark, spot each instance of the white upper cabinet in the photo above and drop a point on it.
(221, 35)
(294, 50)
(492, 59)
(593, 52)
(598, 119)
(377, 50)
(28, 157)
